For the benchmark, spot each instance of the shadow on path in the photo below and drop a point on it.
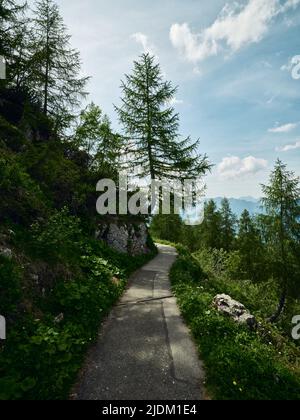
(144, 350)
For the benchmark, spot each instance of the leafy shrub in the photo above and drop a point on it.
(45, 346)
(240, 364)
(58, 237)
(10, 287)
(22, 199)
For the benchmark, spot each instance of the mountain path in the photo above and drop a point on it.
(144, 350)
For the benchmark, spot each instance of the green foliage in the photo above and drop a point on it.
(54, 64)
(281, 201)
(253, 262)
(228, 222)
(60, 283)
(10, 286)
(240, 364)
(58, 238)
(46, 345)
(167, 227)
(12, 30)
(210, 231)
(152, 142)
(95, 136)
(22, 197)
(222, 269)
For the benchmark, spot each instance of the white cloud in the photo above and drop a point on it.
(290, 4)
(233, 166)
(190, 45)
(143, 40)
(236, 26)
(289, 147)
(286, 128)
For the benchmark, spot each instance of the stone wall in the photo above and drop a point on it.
(127, 238)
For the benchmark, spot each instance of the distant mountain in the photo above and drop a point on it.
(238, 205)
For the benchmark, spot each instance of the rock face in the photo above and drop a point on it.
(235, 310)
(127, 238)
(6, 252)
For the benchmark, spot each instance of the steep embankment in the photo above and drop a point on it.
(240, 364)
(56, 281)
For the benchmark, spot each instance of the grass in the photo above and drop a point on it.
(51, 323)
(240, 364)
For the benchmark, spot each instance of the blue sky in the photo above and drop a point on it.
(236, 65)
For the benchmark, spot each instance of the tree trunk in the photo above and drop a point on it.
(47, 70)
(280, 308)
(282, 301)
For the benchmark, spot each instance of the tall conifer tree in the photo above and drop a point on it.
(281, 201)
(228, 224)
(153, 145)
(55, 65)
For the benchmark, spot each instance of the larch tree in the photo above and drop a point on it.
(228, 225)
(281, 201)
(210, 231)
(250, 246)
(13, 46)
(55, 65)
(151, 127)
(95, 135)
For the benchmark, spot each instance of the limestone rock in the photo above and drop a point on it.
(6, 252)
(126, 238)
(59, 318)
(235, 310)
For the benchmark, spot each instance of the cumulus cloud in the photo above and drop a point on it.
(236, 26)
(289, 147)
(286, 128)
(233, 166)
(143, 40)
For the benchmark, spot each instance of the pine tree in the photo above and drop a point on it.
(251, 250)
(228, 225)
(13, 33)
(153, 146)
(281, 201)
(211, 229)
(8, 12)
(167, 227)
(55, 66)
(94, 135)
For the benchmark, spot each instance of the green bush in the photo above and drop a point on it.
(10, 286)
(59, 237)
(41, 357)
(46, 343)
(21, 198)
(240, 364)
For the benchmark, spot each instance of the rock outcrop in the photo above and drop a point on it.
(235, 310)
(6, 252)
(127, 238)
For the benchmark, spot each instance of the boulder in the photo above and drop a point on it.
(235, 310)
(59, 318)
(126, 238)
(6, 252)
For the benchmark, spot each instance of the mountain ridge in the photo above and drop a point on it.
(238, 205)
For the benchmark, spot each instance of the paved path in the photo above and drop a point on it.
(144, 351)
